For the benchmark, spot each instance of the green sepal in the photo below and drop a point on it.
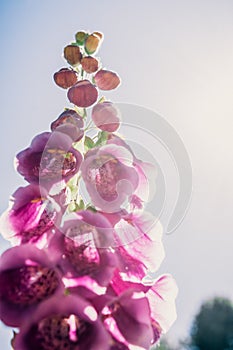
(66, 291)
(102, 138)
(92, 209)
(102, 99)
(81, 37)
(88, 143)
(81, 205)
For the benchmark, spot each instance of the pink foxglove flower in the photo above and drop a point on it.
(84, 245)
(161, 294)
(109, 176)
(127, 318)
(49, 159)
(27, 276)
(31, 216)
(63, 322)
(147, 174)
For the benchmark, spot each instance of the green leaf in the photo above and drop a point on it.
(102, 138)
(88, 143)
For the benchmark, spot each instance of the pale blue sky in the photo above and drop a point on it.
(174, 57)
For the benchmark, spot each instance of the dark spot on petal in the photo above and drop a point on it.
(104, 173)
(53, 163)
(58, 332)
(28, 285)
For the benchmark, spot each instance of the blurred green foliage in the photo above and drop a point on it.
(213, 326)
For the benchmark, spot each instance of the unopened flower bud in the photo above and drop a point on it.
(83, 94)
(72, 54)
(81, 37)
(89, 64)
(65, 78)
(107, 80)
(106, 116)
(100, 35)
(70, 123)
(92, 44)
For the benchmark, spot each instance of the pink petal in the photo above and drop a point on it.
(162, 301)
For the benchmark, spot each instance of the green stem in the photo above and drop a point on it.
(88, 125)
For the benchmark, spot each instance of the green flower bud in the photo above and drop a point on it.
(81, 37)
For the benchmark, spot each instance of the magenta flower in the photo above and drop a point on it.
(127, 318)
(27, 276)
(31, 216)
(84, 247)
(50, 159)
(70, 123)
(109, 176)
(161, 295)
(63, 322)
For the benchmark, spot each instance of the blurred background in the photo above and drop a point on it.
(174, 57)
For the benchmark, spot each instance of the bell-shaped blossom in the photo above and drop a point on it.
(127, 318)
(31, 216)
(63, 322)
(71, 123)
(84, 246)
(161, 295)
(147, 174)
(27, 276)
(109, 176)
(106, 116)
(50, 159)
